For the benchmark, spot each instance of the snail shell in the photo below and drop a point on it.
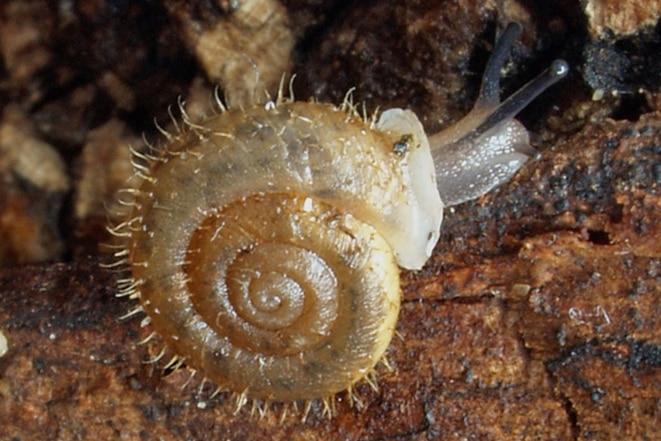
(263, 243)
(256, 248)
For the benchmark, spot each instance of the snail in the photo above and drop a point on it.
(264, 244)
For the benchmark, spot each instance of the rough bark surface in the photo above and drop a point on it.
(537, 317)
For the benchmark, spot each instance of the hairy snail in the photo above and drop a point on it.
(263, 244)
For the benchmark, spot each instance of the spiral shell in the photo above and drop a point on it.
(263, 244)
(256, 246)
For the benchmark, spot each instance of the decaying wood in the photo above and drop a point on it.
(537, 317)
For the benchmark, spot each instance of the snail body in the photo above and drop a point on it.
(264, 243)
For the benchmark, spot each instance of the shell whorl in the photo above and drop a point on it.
(255, 248)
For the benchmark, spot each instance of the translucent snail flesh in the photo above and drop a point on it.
(263, 244)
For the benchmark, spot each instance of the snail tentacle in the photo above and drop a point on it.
(487, 146)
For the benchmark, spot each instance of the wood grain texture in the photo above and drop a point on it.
(537, 317)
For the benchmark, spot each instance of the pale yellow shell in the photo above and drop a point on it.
(258, 251)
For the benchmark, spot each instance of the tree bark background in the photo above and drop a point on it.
(537, 316)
